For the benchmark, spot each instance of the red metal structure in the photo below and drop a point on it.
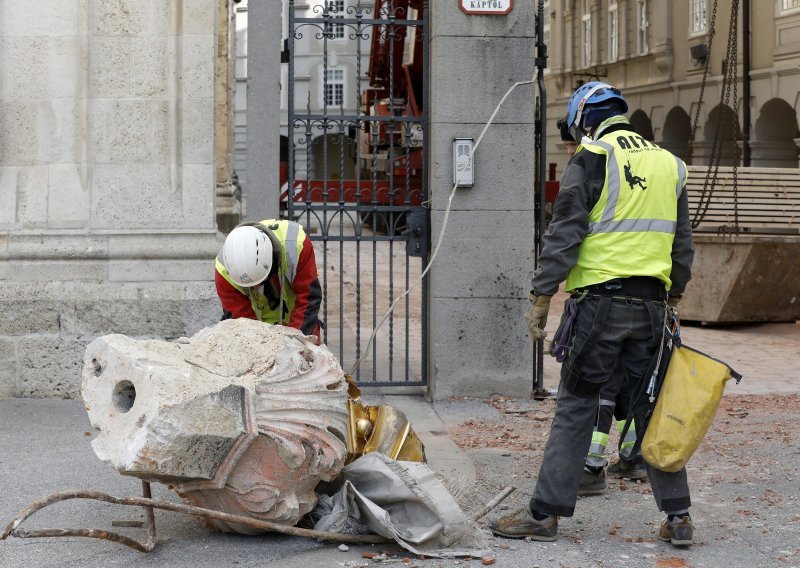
(391, 155)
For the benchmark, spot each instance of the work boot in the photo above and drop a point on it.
(628, 469)
(521, 524)
(677, 529)
(592, 483)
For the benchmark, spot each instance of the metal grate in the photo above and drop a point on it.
(357, 175)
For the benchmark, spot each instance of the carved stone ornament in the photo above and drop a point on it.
(243, 417)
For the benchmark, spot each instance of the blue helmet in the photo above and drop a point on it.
(587, 101)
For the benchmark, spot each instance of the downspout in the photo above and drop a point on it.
(540, 147)
(746, 83)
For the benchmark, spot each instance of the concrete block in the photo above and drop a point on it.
(197, 66)
(110, 72)
(68, 202)
(134, 196)
(59, 131)
(483, 348)
(198, 17)
(145, 309)
(150, 72)
(32, 189)
(8, 195)
(447, 19)
(504, 168)
(197, 186)
(49, 270)
(159, 270)
(41, 18)
(197, 131)
(64, 66)
(130, 131)
(28, 308)
(56, 246)
(50, 366)
(8, 368)
(170, 246)
(202, 307)
(18, 144)
(24, 70)
(7, 350)
(482, 224)
(120, 17)
(502, 268)
(455, 94)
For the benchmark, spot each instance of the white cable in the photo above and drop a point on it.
(444, 222)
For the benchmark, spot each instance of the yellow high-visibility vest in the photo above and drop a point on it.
(632, 225)
(291, 236)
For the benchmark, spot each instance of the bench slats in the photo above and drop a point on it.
(767, 199)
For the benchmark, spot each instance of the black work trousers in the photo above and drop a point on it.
(607, 332)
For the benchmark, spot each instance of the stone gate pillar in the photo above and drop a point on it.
(479, 341)
(106, 180)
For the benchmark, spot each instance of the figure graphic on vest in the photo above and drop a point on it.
(267, 271)
(626, 257)
(632, 179)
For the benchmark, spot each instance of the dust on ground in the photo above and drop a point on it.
(744, 481)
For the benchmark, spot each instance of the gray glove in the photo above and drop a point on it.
(672, 302)
(537, 316)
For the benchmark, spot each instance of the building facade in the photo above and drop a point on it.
(328, 68)
(107, 180)
(655, 52)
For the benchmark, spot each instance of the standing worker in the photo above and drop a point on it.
(267, 271)
(615, 398)
(624, 244)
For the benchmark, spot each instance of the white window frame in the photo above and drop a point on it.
(333, 87)
(336, 9)
(586, 35)
(698, 17)
(613, 31)
(788, 7)
(641, 27)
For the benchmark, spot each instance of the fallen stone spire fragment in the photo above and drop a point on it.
(243, 417)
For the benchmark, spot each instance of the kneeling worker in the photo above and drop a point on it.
(267, 271)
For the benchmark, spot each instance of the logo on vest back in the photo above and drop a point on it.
(633, 180)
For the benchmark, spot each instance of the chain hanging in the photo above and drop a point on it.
(729, 81)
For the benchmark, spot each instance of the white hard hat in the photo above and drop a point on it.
(247, 256)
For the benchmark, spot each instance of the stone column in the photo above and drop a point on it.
(479, 283)
(261, 191)
(106, 180)
(228, 202)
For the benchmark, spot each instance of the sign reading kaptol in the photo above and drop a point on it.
(486, 6)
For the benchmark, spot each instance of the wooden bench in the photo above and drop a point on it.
(767, 200)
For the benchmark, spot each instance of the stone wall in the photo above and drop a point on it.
(481, 278)
(106, 180)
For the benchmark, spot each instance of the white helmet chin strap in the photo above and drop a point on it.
(577, 122)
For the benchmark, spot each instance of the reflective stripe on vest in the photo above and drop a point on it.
(291, 236)
(632, 226)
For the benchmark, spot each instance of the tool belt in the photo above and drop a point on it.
(644, 287)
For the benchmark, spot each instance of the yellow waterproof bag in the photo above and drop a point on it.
(687, 402)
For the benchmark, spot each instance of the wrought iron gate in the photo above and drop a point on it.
(357, 175)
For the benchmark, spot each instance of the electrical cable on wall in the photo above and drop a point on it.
(440, 238)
